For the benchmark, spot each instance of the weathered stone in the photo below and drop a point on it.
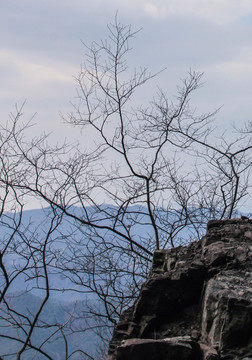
(208, 353)
(197, 302)
(248, 235)
(149, 349)
(195, 335)
(227, 310)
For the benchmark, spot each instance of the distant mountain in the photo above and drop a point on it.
(23, 294)
(36, 223)
(24, 298)
(55, 312)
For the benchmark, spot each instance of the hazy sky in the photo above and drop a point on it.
(41, 50)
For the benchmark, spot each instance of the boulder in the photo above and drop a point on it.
(196, 303)
(149, 349)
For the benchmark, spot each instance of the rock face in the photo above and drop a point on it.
(197, 302)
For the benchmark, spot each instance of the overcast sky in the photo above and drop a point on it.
(41, 50)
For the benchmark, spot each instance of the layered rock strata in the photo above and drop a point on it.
(197, 302)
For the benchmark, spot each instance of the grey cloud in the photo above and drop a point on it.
(49, 32)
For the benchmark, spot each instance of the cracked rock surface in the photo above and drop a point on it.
(197, 302)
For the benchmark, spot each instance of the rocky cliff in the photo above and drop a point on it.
(197, 302)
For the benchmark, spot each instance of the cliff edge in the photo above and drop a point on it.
(197, 302)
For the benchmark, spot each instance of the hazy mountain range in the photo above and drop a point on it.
(61, 304)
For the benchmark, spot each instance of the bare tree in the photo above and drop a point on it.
(150, 178)
(28, 253)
